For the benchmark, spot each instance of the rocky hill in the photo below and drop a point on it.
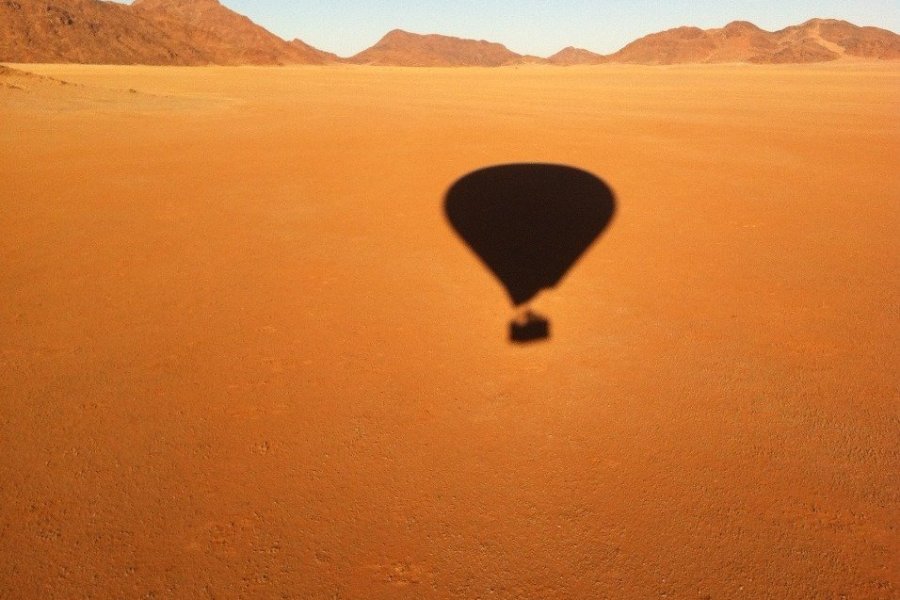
(154, 32)
(818, 40)
(576, 56)
(401, 48)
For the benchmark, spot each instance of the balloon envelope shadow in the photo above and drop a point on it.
(529, 223)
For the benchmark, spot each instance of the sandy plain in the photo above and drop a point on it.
(244, 356)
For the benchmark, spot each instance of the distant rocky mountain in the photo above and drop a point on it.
(155, 32)
(404, 49)
(818, 40)
(576, 56)
(849, 40)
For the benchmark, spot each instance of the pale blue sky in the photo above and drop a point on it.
(539, 27)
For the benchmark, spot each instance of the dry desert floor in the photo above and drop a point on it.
(243, 355)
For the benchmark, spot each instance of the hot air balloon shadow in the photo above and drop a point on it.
(529, 223)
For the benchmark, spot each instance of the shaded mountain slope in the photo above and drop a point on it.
(88, 31)
(225, 36)
(154, 32)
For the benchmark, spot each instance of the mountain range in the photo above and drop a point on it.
(818, 40)
(200, 32)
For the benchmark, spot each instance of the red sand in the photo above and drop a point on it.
(244, 356)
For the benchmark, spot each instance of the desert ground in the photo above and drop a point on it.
(243, 354)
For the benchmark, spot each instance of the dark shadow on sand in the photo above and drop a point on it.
(529, 223)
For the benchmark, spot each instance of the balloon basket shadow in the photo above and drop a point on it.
(529, 328)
